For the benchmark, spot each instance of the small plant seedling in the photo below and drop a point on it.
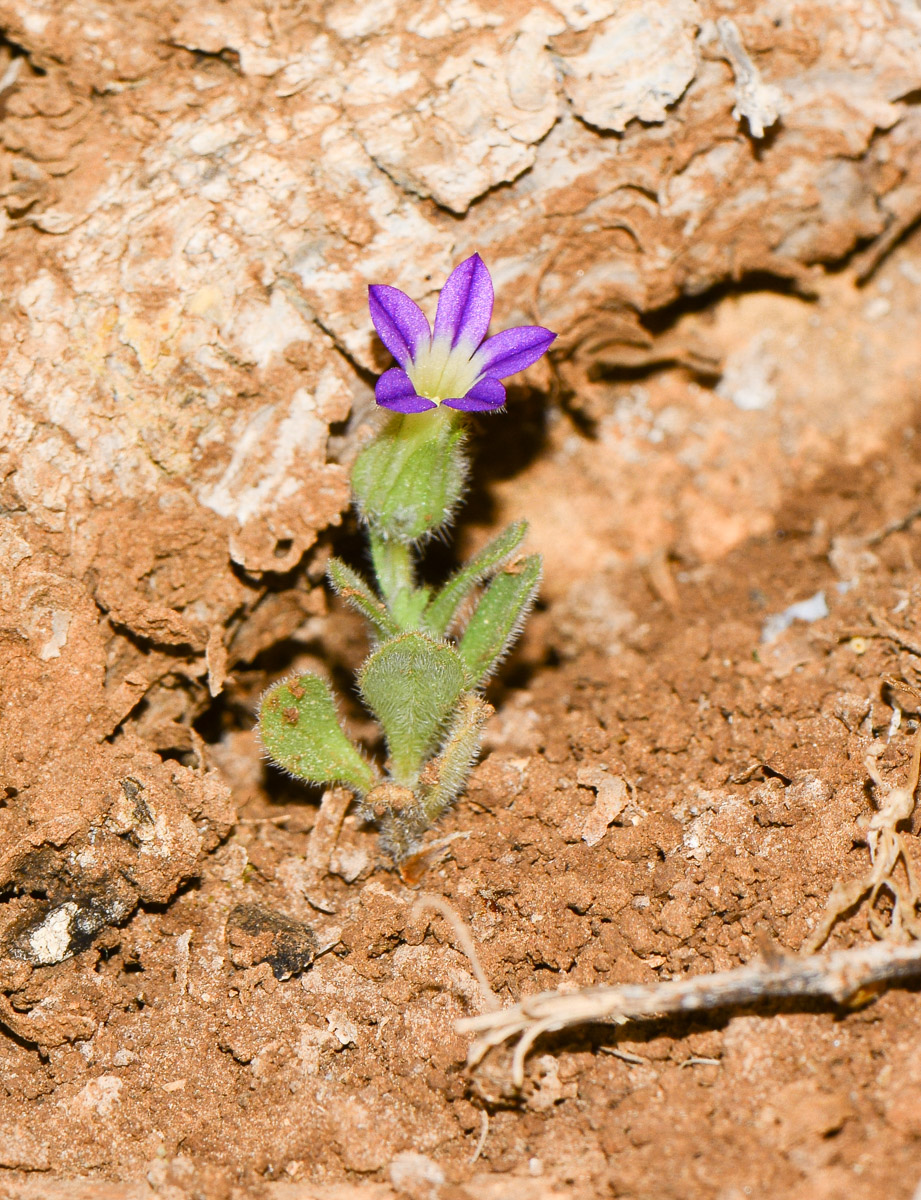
(424, 677)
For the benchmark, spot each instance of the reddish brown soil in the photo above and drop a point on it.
(744, 761)
(193, 199)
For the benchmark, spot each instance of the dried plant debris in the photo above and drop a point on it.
(258, 935)
(887, 848)
(849, 977)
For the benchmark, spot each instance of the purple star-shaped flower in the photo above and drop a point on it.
(451, 365)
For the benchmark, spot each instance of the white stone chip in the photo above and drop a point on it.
(50, 941)
(813, 609)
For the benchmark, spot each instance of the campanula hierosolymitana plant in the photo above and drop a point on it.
(424, 677)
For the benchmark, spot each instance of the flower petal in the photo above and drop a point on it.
(400, 322)
(513, 350)
(394, 390)
(485, 396)
(465, 303)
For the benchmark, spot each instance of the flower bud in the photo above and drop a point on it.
(408, 481)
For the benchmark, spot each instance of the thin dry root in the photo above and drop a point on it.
(426, 901)
(847, 977)
(484, 1133)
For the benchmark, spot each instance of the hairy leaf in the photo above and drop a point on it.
(300, 731)
(499, 617)
(443, 608)
(443, 777)
(412, 685)
(358, 593)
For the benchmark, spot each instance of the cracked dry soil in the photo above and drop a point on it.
(228, 1050)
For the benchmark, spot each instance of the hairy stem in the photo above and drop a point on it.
(395, 573)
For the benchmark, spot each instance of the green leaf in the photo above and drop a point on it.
(412, 685)
(443, 608)
(300, 731)
(499, 617)
(409, 479)
(357, 593)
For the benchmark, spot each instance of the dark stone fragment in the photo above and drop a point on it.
(258, 935)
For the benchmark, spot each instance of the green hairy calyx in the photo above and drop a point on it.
(423, 678)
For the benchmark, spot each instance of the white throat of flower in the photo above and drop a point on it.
(440, 372)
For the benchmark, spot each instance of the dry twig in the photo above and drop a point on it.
(896, 526)
(847, 977)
